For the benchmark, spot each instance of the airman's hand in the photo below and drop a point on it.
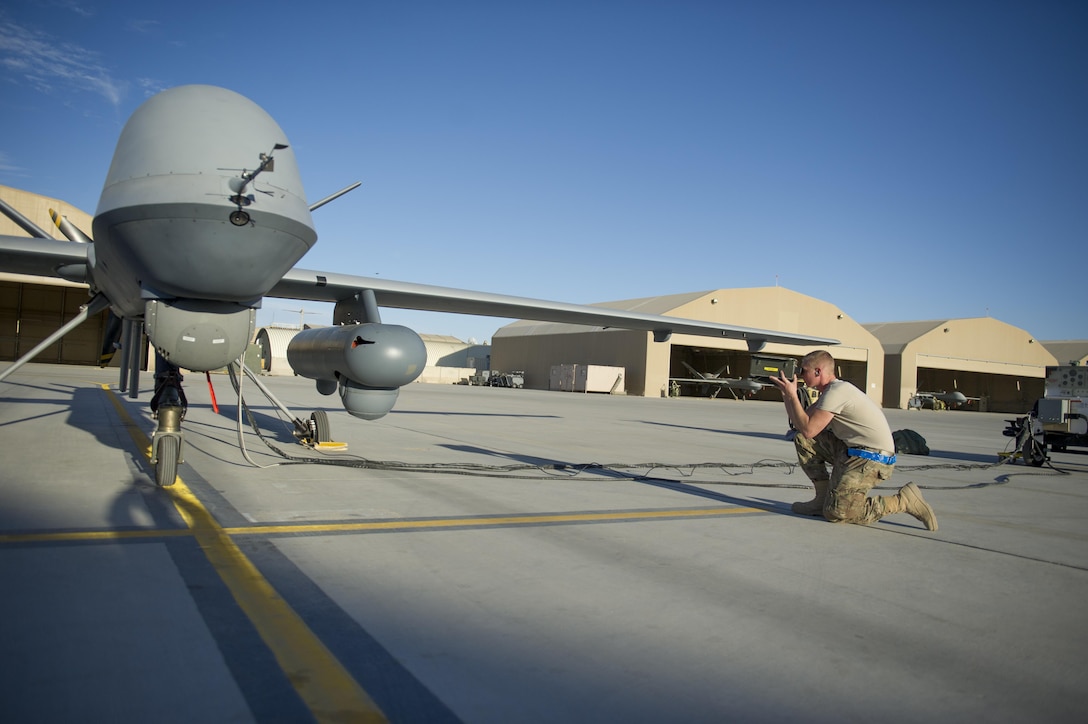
(786, 385)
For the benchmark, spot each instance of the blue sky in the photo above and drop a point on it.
(903, 161)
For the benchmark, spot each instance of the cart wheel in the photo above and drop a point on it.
(319, 427)
(1034, 453)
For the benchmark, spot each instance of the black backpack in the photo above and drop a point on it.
(910, 442)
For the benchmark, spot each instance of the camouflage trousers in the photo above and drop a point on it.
(849, 480)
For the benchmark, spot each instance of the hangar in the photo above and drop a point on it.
(1001, 365)
(534, 347)
(272, 344)
(32, 308)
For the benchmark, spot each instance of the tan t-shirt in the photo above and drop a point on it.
(858, 421)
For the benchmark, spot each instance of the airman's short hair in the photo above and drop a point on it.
(818, 358)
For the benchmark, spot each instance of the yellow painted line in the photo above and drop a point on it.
(380, 525)
(91, 535)
(480, 522)
(329, 691)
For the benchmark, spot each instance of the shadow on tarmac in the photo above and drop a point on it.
(442, 413)
(602, 471)
(741, 433)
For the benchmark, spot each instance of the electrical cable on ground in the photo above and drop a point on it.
(551, 471)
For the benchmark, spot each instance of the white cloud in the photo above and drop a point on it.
(75, 7)
(150, 86)
(6, 166)
(143, 26)
(11, 173)
(52, 66)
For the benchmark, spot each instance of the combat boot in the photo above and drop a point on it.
(912, 502)
(816, 505)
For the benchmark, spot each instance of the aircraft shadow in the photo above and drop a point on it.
(523, 459)
(218, 438)
(605, 472)
(272, 426)
(28, 386)
(468, 414)
(905, 458)
(28, 418)
(741, 433)
(89, 410)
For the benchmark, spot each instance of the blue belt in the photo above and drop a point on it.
(869, 455)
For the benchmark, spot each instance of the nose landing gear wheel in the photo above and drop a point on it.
(166, 469)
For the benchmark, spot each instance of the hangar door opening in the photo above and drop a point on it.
(985, 392)
(694, 363)
(31, 312)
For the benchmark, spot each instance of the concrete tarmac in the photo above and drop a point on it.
(462, 563)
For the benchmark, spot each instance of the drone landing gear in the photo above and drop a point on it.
(168, 406)
(166, 445)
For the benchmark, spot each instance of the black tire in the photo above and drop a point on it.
(319, 427)
(166, 470)
(1034, 453)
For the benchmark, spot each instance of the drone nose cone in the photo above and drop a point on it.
(187, 161)
(201, 130)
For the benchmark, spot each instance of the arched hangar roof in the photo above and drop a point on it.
(776, 308)
(1069, 351)
(273, 343)
(968, 344)
(647, 305)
